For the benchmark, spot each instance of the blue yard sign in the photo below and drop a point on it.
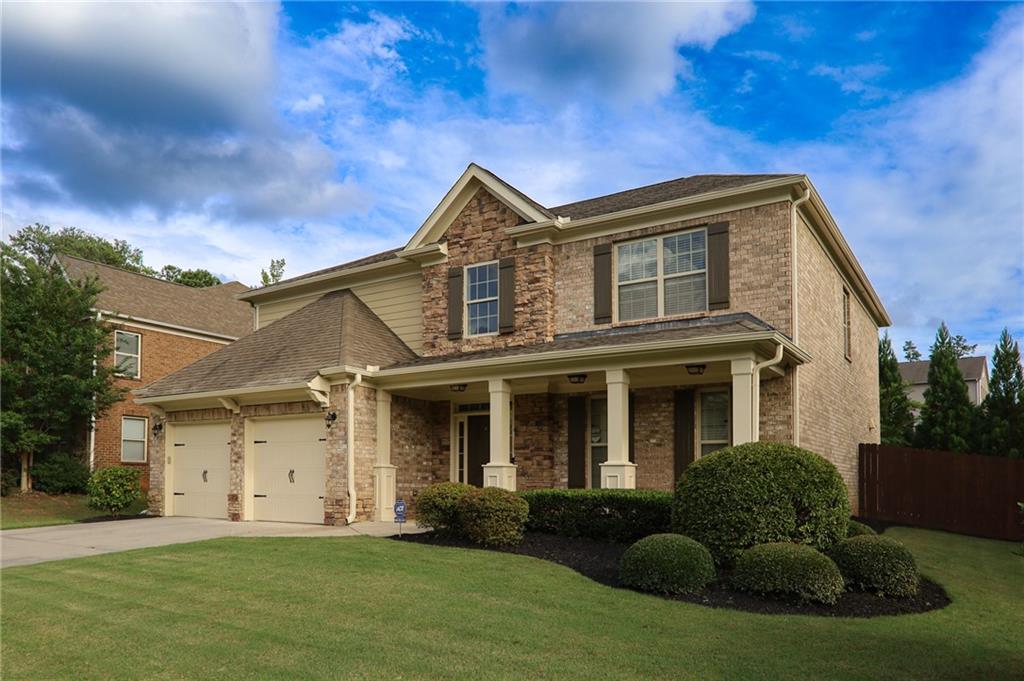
(399, 511)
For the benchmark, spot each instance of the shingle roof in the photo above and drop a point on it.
(336, 329)
(214, 309)
(916, 373)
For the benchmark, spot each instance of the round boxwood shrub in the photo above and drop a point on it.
(60, 473)
(492, 516)
(668, 564)
(879, 564)
(437, 506)
(114, 489)
(856, 529)
(759, 493)
(789, 570)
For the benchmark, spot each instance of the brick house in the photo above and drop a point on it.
(603, 343)
(158, 328)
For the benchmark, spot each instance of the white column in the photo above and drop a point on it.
(500, 471)
(618, 471)
(743, 429)
(383, 472)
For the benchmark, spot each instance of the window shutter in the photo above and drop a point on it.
(682, 433)
(577, 432)
(603, 284)
(455, 288)
(506, 295)
(718, 266)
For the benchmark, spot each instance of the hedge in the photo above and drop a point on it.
(878, 564)
(60, 473)
(437, 506)
(492, 516)
(114, 489)
(668, 564)
(789, 570)
(617, 515)
(855, 529)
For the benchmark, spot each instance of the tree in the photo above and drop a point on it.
(910, 352)
(948, 415)
(197, 278)
(275, 273)
(42, 243)
(962, 347)
(1002, 412)
(896, 415)
(49, 337)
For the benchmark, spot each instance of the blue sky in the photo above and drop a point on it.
(219, 135)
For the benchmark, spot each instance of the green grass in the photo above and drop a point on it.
(342, 608)
(37, 510)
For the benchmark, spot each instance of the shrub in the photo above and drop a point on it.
(618, 515)
(789, 569)
(8, 481)
(60, 474)
(114, 489)
(437, 506)
(492, 516)
(879, 564)
(759, 493)
(857, 529)
(667, 563)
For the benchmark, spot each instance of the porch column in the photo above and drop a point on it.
(743, 429)
(500, 471)
(618, 472)
(383, 472)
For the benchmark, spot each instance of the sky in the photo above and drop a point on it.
(222, 135)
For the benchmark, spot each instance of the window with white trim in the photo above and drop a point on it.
(714, 420)
(127, 353)
(662, 276)
(133, 439)
(482, 299)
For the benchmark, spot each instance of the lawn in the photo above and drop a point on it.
(373, 609)
(37, 510)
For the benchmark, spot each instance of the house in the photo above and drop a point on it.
(602, 343)
(158, 327)
(974, 369)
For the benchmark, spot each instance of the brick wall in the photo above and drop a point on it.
(420, 445)
(532, 442)
(654, 437)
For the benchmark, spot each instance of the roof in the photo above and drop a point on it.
(336, 329)
(916, 373)
(213, 309)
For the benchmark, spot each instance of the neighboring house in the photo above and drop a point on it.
(603, 343)
(974, 369)
(158, 327)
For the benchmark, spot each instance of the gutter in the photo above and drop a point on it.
(350, 439)
(794, 295)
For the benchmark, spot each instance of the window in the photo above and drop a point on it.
(714, 421)
(846, 325)
(127, 352)
(598, 439)
(482, 299)
(662, 276)
(133, 439)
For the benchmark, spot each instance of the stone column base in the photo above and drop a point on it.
(618, 475)
(384, 492)
(501, 475)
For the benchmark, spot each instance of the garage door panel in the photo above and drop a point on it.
(200, 470)
(290, 469)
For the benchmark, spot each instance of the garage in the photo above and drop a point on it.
(289, 469)
(200, 469)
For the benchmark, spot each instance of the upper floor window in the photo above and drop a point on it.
(847, 342)
(482, 299)
(127, 353)
(662, 276)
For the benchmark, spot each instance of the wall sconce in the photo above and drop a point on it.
(457, 387)
(330, 417)
(158, 427)
(696, 369)
(577, 379)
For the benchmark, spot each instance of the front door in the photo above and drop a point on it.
(478, 448)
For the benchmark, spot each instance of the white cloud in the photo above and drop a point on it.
(854, 79)
(865, 36)
(314, 102)
(746, 84)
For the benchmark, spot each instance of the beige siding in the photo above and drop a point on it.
(269, 313)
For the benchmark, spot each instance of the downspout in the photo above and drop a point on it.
(796, 320)
(350, 439)
(755, 398)
(92, 415)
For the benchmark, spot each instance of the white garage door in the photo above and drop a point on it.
(290, 468)
(199, 464)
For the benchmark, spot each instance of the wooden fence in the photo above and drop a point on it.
(965, 493)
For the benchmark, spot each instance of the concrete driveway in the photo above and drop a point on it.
(59, 542)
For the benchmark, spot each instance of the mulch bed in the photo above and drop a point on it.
(600, 562)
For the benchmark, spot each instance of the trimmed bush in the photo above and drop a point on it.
(789, 570)
(60, 474)
(760, 493)
(437, 506)
(857, 529)
(879, 564)
(114, 489)
(617, 515)
(667, 564)
(492, 516)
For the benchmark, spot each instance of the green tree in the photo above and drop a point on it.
(274, 274)
(962, 347)
(41, 242)
(49, 339)
(197, 278)
(1002, 412)
(910, 352)
(947, 417)
(896, 415)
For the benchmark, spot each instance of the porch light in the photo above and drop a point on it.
(696, 369)
(330, 417)
(577, 379)
(457, 387)
(158, 427)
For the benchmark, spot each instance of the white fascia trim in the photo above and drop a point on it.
(164, 327)
(216, 394)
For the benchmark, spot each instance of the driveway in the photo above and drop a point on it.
(59, 542)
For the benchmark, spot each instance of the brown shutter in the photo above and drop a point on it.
(577, 441)
(683, 432)
(455, 288)
(603, 284)
(506, 295)
(632, 428)
(718, 266)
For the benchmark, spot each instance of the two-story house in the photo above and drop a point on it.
(603, 343)
(158, 327)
